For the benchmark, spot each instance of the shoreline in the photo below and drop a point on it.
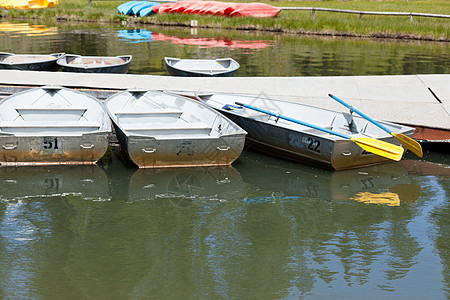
(133, 21)
(296, 22)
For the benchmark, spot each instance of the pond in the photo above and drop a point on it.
(264, 228)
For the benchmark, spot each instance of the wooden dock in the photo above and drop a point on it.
(421, 101)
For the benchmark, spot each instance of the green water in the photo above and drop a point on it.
(264, 228)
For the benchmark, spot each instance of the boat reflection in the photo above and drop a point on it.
(135, 35)
(18, 30)
(387, 184)
(86, 182)
(144, 35)
(185, 186)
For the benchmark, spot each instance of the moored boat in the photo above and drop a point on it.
(157, 129)
(94, 64)
(29, 62)
(287, 139)
(220, 67)
(52, 126)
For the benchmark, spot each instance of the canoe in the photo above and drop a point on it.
(94, 64)
(291, 140)
(29, 62)
(157, 129)
(52, 125)
(221, 67)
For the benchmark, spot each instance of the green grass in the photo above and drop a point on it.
(287, 21)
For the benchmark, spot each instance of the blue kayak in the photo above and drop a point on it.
(137, 8)
(125, 8)
(135, 36)
(147, 11)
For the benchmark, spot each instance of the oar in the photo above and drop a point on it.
(371, 145)
(406, 141)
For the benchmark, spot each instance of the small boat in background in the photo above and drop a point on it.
(157, 129)
(282, 138)
(29, 62)
(220, 67)
(94, 64)
(52, 126)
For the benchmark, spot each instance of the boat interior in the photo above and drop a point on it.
(341, 122)
(51, 114)
(166, 116)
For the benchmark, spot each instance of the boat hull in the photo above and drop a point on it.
(30, 62)
(201, 68)
(86, 149)
(319, 150)
(184, 73)
(67, 64)
(148, 152)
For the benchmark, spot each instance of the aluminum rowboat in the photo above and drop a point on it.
(157, 129)
(294, 141)
(52, 126)
(221, 67)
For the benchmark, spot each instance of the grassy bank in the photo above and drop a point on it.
(324, 23)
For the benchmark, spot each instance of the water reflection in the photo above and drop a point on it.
(135, 35)
(21, 183)
(211, 231)
(144, 35)
(383, 184)
(17, 30)
(258, 53)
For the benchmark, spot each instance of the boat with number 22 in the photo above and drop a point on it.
(280, 137)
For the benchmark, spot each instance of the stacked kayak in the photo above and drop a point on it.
(258, 10)
(141, 8)
(144, 8)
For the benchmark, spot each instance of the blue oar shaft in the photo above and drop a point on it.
(294, 120)
(360, 113)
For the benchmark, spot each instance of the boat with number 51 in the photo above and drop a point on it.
(52, 126)
(338, 147)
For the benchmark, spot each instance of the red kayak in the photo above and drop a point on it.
(257, 10)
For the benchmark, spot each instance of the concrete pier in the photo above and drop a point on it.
(421, 101)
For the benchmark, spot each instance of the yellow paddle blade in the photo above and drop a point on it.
(409, 143)
(380, 148)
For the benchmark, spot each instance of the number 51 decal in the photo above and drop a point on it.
(51, 143)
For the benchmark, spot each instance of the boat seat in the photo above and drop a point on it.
(43, 127)
(54, 114)
(175, 129)
(154, 116)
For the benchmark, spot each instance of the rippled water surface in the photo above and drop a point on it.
(264, 228)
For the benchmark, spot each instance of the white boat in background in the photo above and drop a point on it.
(287, 139)
(29, 62)
(220, 67)
(52, 125)
(157, 129)
(94, 64)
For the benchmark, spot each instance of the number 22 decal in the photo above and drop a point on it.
(313, 145)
